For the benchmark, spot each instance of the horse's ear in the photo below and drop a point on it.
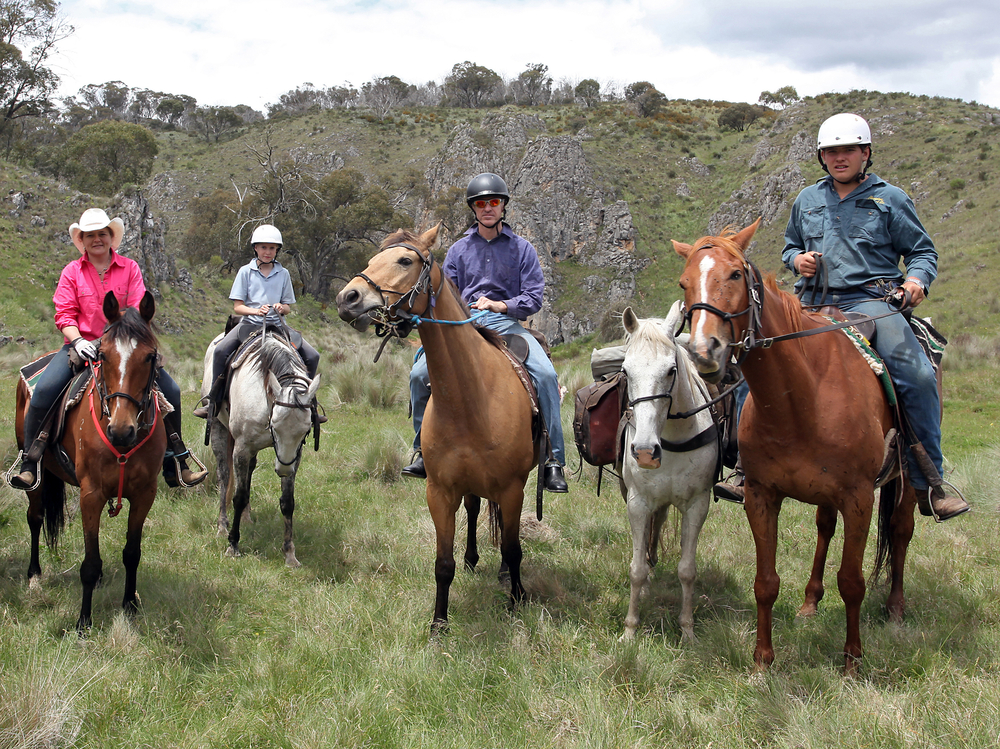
(675, 319)
(682, 249)
(147, 306)
(742, 239)
(431, 239)
(111, 309)
(630, 321)
(273, 384)
(313, 387)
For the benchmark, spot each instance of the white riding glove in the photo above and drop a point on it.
(86, 349)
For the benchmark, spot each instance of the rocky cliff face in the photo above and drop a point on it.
(144, 243)
(556, 204)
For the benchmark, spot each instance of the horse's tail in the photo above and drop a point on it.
(496, 522)
(887, 500)
(53, 493)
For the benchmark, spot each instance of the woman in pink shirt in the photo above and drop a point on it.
(79, 301)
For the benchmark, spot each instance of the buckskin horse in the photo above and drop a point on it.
(476, 434)
(813, 429)
(114, 440)
(671, 446)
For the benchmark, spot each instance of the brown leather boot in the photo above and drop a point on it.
(947, 502)
(731, 490)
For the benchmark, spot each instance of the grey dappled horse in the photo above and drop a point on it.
(667, 460)
(270, 405)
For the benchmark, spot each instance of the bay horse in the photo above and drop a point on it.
(269, 405)
(814, 428)
(671, 448)
(114, 440)
(476, 434)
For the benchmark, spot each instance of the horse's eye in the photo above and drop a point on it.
(406, 261)
(736, 275)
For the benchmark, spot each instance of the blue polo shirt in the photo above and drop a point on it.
(255, 289)
(862, 237)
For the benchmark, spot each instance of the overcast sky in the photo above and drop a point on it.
(251, 51)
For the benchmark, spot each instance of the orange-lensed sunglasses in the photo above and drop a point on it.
(492, 202)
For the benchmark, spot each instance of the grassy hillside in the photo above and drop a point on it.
(246, 653)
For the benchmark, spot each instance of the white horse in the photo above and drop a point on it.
(668, 459)
(270, 405)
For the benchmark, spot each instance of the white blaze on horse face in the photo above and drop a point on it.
(125, 349)
(705, 266)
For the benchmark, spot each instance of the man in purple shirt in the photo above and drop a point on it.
(497, 271)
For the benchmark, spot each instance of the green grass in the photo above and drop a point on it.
(245, 652)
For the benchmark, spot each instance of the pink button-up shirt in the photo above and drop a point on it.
(79, 296)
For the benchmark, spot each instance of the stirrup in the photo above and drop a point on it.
(11, 474)
(930, 502)
(179, 471)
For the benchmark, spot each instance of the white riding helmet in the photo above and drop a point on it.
(265, 233)
(843, 130)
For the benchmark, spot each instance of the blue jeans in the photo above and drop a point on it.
(912, 375)
(540, 369)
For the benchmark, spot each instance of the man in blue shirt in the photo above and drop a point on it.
(496, 270)
(862, 227)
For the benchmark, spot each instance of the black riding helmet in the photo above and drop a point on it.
(488, 185)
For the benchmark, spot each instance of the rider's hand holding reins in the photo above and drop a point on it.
(87, 350)
(806, 263)
(916, 292)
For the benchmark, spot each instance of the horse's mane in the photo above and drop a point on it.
(282, 360)
(398, 237)
(131, 326)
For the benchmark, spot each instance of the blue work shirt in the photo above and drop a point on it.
(255, 289)
(504, 269)
(862, 237)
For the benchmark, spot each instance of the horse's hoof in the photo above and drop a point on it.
(628, 635)
(291, 561)
(232, 551)
(807, 611)
(34, 583)
(439, 628)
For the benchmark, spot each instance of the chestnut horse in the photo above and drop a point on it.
(115, 441)
(812, 429)
(476, 434)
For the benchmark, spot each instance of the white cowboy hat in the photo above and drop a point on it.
(92, 220)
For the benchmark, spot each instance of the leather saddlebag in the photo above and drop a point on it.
(599, 408)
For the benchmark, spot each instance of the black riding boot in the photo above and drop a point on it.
(35, 443)
(176, 457)
(210, 403)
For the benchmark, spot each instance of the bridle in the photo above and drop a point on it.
(148, 396)
(392, 320)
(752, 336)
(274, 438)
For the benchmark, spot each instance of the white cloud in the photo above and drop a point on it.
(251, 52)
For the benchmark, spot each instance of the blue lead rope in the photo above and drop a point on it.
(417, 320)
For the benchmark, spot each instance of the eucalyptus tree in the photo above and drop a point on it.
(29, 33)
